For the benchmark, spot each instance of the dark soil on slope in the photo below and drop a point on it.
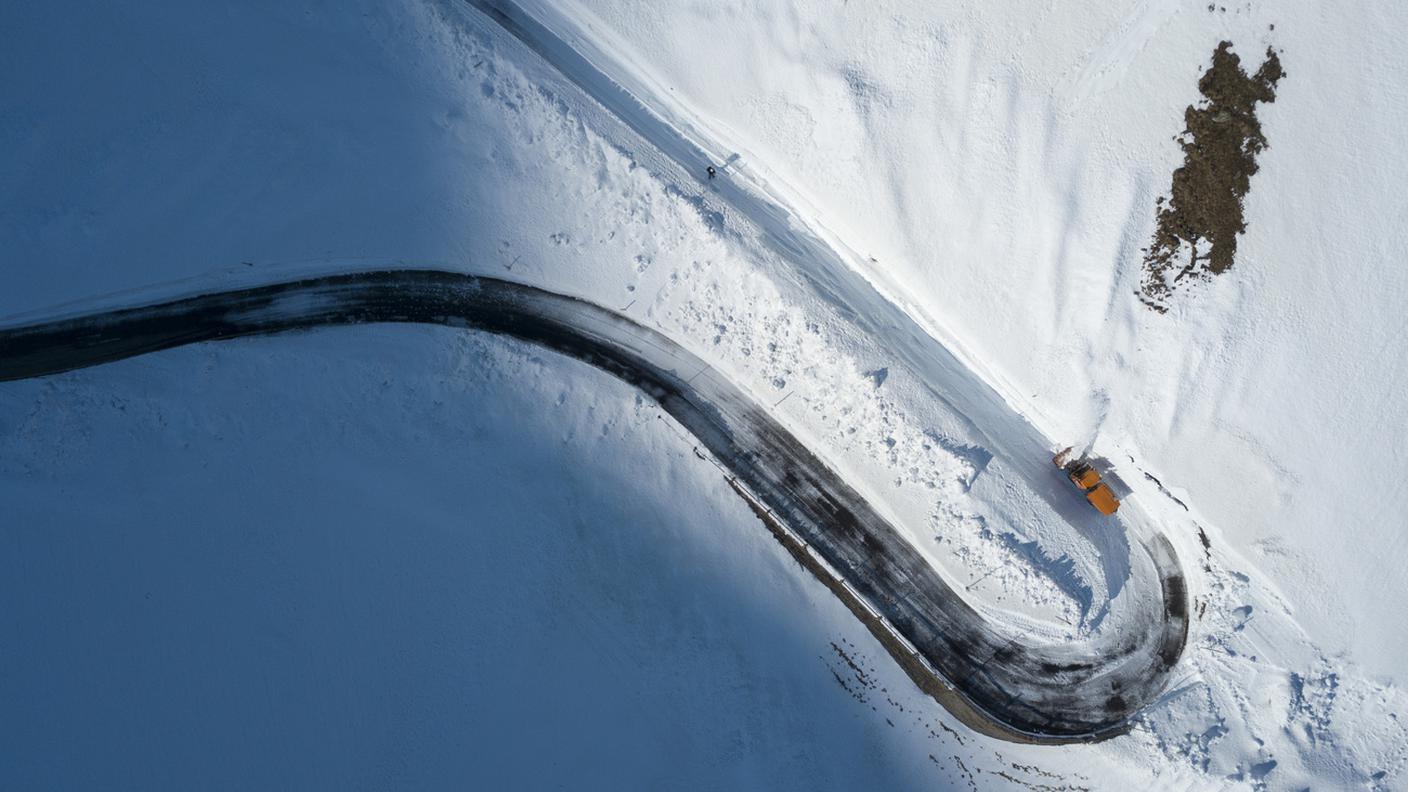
(1199, 222)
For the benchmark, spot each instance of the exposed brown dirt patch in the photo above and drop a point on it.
(1198, 223)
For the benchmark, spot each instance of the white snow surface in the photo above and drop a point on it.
(392, 558)
(997, 164)
(414, 557)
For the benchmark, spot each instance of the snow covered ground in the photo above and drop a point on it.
(999, 169)
(392, 557)
(995, 171)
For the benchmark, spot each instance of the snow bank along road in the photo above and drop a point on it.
(995, 682)
(672, 143)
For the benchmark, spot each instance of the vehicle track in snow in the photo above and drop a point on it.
(994, 681)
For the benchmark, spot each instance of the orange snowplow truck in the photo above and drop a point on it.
(1088, 480)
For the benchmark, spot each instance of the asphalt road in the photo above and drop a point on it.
(997, 682)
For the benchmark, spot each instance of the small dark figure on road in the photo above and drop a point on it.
(710, 170)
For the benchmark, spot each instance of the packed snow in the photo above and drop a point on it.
(420, 557)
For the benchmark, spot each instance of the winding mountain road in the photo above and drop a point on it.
(996, 682)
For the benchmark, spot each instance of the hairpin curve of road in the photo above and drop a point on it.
(997, 683)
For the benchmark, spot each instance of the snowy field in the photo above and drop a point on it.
(392, 558)
(409, 557)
